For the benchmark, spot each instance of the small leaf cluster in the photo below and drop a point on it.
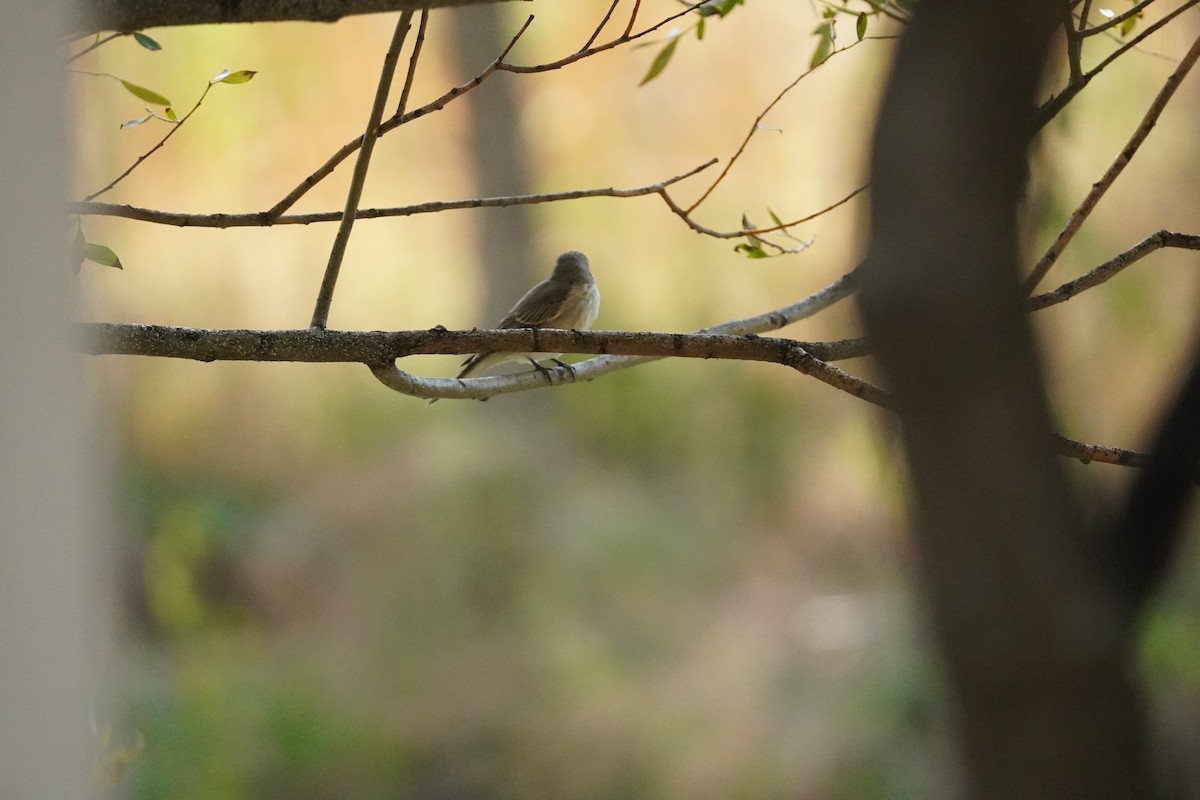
(756, 245)
(709, 8)
(863, 11)
(84, 250)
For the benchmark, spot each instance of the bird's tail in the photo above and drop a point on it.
(469, 367)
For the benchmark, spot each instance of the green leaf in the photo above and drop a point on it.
(660, 61)
(824, 50)
(101, 255)
(1128, 25)
(170, 114)
(775, 217)
(700, 29)
(145, 41)
(241, 76)
(860, 26)
(751, 250)
(142, 93)
(717, 7)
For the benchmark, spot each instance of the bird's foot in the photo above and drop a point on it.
(567, 367)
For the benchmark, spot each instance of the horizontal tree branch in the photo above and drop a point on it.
(377, 347)
(134, 15)
(264, 218)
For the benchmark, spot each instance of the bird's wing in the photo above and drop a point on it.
(538, 308)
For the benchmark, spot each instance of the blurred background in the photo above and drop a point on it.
(688, 579)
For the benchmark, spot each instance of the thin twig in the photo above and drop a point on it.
(579, 55)
(1081, 213)
(94, 45)
(1087, 453)
(402, 106)
(1149, 31)
(1050, 109)
(637, 4)
(596, 33)
(390, 124)
(155, 148)
(359, 177)
(264, 219)
(1074, 47)
(754, 127)
(1108, 269)
(1083, 15)
(1114, 21)
(682, 213)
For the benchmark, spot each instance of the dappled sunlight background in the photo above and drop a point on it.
(688, 579)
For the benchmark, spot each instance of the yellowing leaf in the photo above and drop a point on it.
(241, 76)
(101, 255)
(142, 93)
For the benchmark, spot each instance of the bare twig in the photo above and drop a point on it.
(402, 106)
(1083, 15)
(754, 127)
(1114, 21)
(264, 218)
(1081, 213)
(745, 348)
(1108, 269)
(99, 41)
(682, 213)
(593, 49)
(596, 33)
(1087, 453)
(1049, 109)
(359, 178)
(390, 124)
(1074, 43)
(1136, 41)
(497, 64)
(637, 4)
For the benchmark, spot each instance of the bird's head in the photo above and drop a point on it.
(572, 267)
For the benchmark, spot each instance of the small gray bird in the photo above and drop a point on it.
(567, 300)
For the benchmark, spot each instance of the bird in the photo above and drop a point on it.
(568, 300)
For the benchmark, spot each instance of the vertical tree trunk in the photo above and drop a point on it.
(1035, 644)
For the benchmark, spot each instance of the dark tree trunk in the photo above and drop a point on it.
(1034, 639)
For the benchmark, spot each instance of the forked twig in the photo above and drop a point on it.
(1081, 213)
(358, 180)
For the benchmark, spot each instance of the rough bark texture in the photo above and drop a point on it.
(133, 15)
(1034, 640)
